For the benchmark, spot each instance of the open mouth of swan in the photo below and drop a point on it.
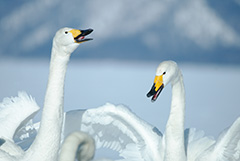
(155, 93)
(82, 36)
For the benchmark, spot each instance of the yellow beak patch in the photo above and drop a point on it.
(75, 32)
(158, 80)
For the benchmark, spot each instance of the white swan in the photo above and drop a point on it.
(77, 144)
(47, 142)
(177, 148)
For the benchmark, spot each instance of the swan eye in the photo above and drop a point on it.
(164, 73)
(66, 32)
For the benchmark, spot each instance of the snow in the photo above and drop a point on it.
(212, 91)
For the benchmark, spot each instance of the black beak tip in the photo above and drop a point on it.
(152, 91)
(149, 94)
(90, 31)
(86, 32)
(153, 100)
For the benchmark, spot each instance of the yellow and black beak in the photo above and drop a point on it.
(79, 35)
(156, 88)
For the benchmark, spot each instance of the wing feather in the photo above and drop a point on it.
(115, 128)
(15, 113)
(121, 130)
(227, 146)
(196, 143)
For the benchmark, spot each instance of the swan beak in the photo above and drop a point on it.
(156, 88)
(79, 35)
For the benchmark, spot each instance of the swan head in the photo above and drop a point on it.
(68, 39)
(166, 72)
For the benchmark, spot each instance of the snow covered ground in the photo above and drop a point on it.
(212, 92)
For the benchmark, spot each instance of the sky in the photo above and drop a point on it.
(204, 31)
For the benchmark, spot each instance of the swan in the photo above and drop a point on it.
(80, 144)
(47, 142)
(177, 148)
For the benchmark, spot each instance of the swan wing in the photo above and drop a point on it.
(15, 112)
(118, 129)
(112, 127)
(10, 148)
(196, 143)
(227, 146)
(26, 135)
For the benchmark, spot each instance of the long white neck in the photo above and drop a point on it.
(174, 135)
(77, 144)
(47, 141)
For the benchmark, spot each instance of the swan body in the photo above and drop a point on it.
(47, 142)
(177, 148)
(80, 144)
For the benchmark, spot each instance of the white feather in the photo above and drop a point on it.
(12, 116)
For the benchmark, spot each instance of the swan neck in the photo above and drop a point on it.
(77, 144)
(175, 149)
(53, 104)
(47, 141)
